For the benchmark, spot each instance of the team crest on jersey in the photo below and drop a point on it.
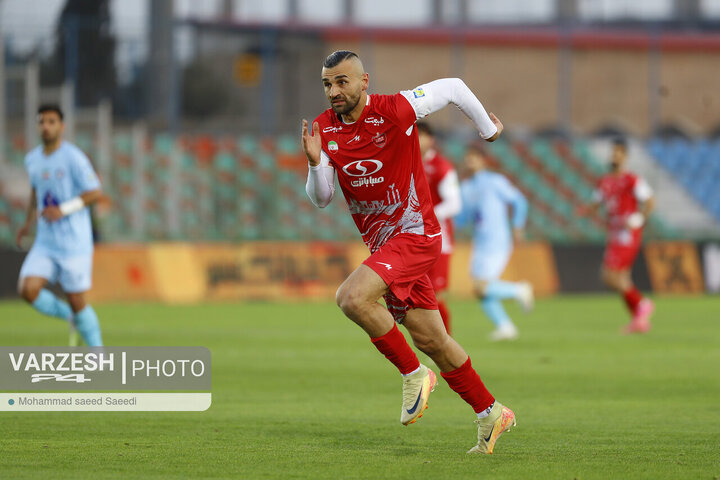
(332, 146)
(59, 174)
(418, 92)
(380, 140)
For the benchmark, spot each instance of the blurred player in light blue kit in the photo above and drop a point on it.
(64, 184)
(486, 197)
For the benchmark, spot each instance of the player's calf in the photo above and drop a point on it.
(86, 322)
(44, 301)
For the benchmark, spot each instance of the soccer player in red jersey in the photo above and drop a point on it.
(370, 143)
(445, 193)
(628, 200)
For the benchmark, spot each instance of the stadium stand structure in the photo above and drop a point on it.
(696, 166)
(203, 188)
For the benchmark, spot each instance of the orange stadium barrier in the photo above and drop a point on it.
(123, 273)
(674, 267)
(530, 261)
(188, 273)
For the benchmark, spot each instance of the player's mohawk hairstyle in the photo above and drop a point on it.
(338, 56)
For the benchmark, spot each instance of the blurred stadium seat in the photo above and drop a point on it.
(695, 165)
(253, 188)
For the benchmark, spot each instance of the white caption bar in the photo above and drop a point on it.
(105, 402)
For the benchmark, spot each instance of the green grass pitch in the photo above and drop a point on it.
(300, 393)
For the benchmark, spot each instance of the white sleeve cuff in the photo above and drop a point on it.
(320, 186)
(71, 206)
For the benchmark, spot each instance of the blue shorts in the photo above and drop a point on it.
(74, 274)
(489, 266)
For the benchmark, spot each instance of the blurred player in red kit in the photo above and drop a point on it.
(628, 201)
(370, 143)
(445, 192)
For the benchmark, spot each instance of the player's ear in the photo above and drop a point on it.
(365, 81)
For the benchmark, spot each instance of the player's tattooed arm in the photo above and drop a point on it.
(29, 219)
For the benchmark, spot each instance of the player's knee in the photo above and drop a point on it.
(28, 291)
(479, 288)
(349, 301)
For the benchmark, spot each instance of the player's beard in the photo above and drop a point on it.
(49, 139)
(349, 106)
(614, 166)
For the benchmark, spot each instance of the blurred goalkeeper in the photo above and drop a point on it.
(628, 201)
(370, 143)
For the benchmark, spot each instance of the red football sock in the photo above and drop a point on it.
(632, 297)
(466, 383)
(445, 314)
(396, 349)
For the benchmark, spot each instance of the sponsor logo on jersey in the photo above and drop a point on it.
(418, 92)
(363, 168)
(367, 181)
(46, 174)
(356, 138)
(375, 121)
(380, 140)
(332, 129)
(332, 146)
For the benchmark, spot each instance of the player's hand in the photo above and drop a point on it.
(51, 213)
(311, 143)
(499, 126)
(519, 235)
(22, 232)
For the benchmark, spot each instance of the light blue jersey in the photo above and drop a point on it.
(56, 178)
(485, 198)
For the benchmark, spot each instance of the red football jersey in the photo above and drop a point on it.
(621, 195)
(378, 165)
(436, 167)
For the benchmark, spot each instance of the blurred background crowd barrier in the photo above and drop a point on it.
(190, 111)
